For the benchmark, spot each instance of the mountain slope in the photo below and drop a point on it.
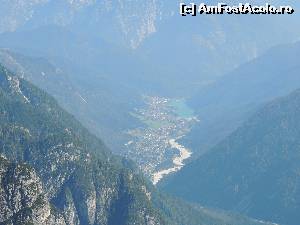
(73, 165)
(255, 170)
(225, 104)
(80, 91)
(77, 177)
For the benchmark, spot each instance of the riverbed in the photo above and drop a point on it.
(178, 161)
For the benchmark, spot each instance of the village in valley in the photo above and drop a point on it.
(154, 146)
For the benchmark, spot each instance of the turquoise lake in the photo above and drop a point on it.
(181, 108)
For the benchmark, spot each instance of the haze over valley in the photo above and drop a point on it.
(125, 112)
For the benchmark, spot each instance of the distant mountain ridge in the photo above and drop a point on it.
(157, 34)
(131, 21)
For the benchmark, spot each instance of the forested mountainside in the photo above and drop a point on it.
(255, 170)
(53, 171)
(79, 175)
(100, 105)
(222, 106)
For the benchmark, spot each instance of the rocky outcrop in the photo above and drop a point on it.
(135, 20)
(22, 199)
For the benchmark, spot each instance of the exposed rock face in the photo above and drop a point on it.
(134, 20)
(22, 199)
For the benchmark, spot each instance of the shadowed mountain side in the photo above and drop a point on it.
(225, 104)
(255, 170)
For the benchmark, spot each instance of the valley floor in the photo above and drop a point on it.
(154, 147)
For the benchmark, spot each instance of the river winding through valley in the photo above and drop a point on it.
(154, 146)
